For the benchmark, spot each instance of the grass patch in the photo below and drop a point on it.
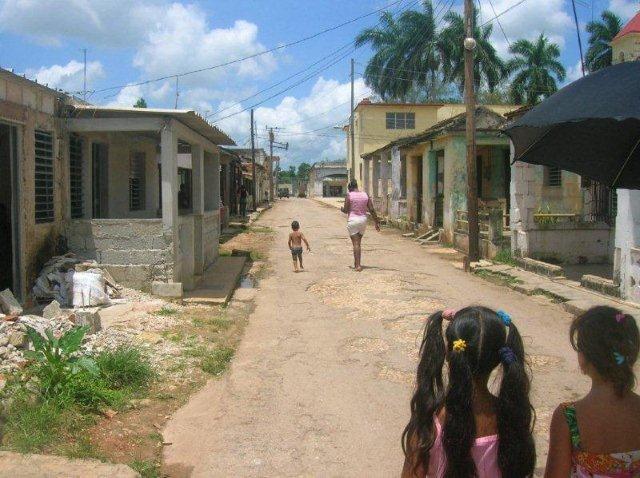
(257, 256)
(555, 298)
(499, 278)
(166, 311)
(261, 230)
(504, 256)
(213, 361)
(216, 323)
(146, 468)
(223, 252)
(125, 368)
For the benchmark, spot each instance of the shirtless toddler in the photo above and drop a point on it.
(296, 238)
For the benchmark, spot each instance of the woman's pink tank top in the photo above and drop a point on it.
(484, 453)
(358, 201)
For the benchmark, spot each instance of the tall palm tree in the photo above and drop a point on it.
(489, 68)
(536, 68)
(405, 55)
(601, 32)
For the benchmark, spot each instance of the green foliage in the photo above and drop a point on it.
(303, 171)
(146, 468)
(504, 256)
(141, 103)
(167, 311)
(601, 32)
(213, 360)
(536, 68)
(125, 368)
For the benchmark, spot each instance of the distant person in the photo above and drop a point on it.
(458, 428)
(242, 197)
(356, 205)
(296, 238)
(599, 435)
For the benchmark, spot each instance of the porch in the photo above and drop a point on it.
(145, 194)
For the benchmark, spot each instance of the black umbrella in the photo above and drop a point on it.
(590, 127)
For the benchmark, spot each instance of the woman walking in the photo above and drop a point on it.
(356, 205)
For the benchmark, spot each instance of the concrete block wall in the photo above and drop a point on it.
(135, 251)
(210, 236)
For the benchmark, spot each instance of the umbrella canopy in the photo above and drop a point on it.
(590, 127)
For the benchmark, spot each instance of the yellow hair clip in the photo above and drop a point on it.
(459, 345)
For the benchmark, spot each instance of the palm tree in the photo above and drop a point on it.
(489, 68)
(536, 69)
(405, 58)
(601, 32)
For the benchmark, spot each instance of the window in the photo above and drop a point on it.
(185, 193)
(552, 176)
(401, 120)
(136, 182)
(44, 177)
(75, 176)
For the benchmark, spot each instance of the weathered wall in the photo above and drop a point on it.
(210, 236)
(626, 48)
(570, 244)
(627, 244)
(135, 252)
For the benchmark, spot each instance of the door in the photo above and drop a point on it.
(9, 230)
(99, 181)
(439, 192)
(419, 195)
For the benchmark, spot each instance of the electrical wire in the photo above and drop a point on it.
(499, 23)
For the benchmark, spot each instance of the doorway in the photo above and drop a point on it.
(99, 180)
(9, 230)
(439, 190)
(419, 194)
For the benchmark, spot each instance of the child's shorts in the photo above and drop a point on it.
(296, 252)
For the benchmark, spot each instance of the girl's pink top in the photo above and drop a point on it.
(358, 201)
(484, 453)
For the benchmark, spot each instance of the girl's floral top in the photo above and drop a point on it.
(595, 465)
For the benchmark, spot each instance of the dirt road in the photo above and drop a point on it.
(322, 379)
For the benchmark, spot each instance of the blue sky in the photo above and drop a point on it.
(128, 42)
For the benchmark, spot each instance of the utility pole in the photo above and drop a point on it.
(84, 84)
(351, 123)
(274, 170)
(470, 102)
(177, 93)
(575, 17)
(253, 164)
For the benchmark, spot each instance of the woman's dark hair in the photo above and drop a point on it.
(353, 185)
(485, 335)
(295, 225)
(610, 341)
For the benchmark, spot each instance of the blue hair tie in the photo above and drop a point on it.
(507, 355)
(619, 358)
(506, 318)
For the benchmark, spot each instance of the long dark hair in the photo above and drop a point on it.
(489, 342)
(610, 341)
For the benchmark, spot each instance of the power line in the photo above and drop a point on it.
(504, 12)
(500, 23)
(255, 55)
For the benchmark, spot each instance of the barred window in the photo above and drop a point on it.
(401, 120)
(44, 177)
(136, 181)
(75, 176)
(552, 176)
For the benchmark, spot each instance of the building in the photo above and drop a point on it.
(377, 124)
(263, 173)
(135, 189)
(328, 179)
(626, 44)
(230, 180)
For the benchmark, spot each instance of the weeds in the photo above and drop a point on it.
(504, 256)
(125, 367)
(499, 278)
(213, 361)
(167, 311)
(146, 468)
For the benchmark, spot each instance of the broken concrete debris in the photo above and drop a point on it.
(9, 304)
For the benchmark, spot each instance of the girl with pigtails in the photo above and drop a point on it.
(458, 428)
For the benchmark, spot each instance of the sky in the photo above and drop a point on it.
(301, 89)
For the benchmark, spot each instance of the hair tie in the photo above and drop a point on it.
(449, 314)
(506, 318)
(507, 355)
(619, 358)
(459, 345)
(620, 317)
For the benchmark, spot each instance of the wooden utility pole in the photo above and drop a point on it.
(470, 102)
(253, 164)
(271, 138)
(351, 123)
(274, 170)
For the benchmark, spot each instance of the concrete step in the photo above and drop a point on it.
(218, 283)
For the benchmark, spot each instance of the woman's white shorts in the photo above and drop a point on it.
(357, 225)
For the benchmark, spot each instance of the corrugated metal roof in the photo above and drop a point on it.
(189, 118)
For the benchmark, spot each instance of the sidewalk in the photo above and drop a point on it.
(333, 202)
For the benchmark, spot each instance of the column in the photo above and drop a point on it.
(395, 182)
(627, 251)
(197, 164)
(168, 158)
(375, 165)
(384, 177)
(523, 206)
(366, 187)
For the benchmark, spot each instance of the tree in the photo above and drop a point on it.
(601, 32)
(536, 68)
(489, 68)
(405, 60)
(141, 103)
(303, 171)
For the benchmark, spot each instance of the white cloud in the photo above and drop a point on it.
(183, 41)
(68, 77)
(625, 8)
(110, 23)
(574, 72)
(128, 96)
(527, 20)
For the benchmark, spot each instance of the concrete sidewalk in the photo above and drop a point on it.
(218, 282)
(17, 465)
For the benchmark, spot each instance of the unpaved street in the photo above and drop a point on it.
(322, 379)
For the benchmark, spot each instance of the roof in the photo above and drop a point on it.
(340, 163)
(189, 118)
(632, 27)
(245, 153)
(11, 76)
(486, 121)
(367, 102)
